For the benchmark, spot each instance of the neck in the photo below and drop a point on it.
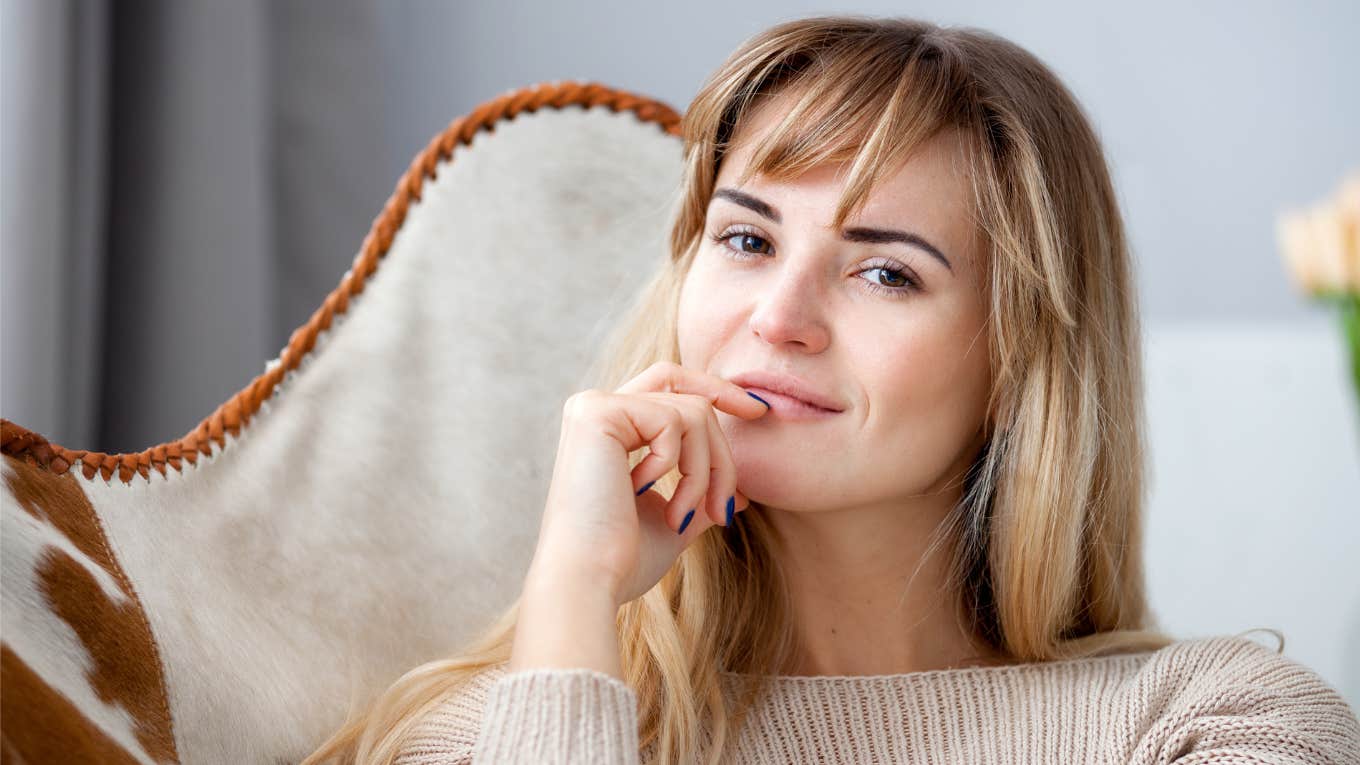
(869, 597)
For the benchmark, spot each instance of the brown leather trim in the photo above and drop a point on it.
(235, 413)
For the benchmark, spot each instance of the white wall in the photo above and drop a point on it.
(1252, 517)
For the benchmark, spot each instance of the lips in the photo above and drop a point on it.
(788, 385)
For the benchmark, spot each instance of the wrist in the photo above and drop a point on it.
(566, 622)
(553, 576)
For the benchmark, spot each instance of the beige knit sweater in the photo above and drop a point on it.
(1210, 700)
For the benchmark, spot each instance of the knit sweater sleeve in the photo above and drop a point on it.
(1232, 700)
(531, 716)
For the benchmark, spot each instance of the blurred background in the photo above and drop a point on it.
(184, 182)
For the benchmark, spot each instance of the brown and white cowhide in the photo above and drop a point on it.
(368, 502)
(80, 674)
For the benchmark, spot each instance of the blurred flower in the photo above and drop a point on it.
(1322, 250)
(1322, 244)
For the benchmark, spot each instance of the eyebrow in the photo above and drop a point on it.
(853, 234)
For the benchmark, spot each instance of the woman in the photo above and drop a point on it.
(894, 357)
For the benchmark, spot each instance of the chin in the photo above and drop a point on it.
(777, 469)
(774, 482)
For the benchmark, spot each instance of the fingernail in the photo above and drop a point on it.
(758, 398)
(685, 523)
(644, 488)
(731, 506)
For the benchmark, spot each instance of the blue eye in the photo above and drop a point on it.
(899, 280)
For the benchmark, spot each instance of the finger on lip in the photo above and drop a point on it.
(764, 404)
(725, 395)
(734, 399)
(738, 401)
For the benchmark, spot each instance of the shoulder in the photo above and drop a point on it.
(1210, 665)
(447, 733)
(1229, 695)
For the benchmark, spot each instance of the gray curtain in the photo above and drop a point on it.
(53, 198)
(182, 187)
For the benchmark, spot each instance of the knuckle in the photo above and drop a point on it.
(581, 403)
(678, 417)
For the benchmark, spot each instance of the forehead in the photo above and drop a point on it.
(935, 169)
(929, 193)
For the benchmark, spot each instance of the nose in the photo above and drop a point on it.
(789, 310)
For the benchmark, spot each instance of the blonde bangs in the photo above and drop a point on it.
(870, 115)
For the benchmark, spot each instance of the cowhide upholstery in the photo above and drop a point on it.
(368, 502)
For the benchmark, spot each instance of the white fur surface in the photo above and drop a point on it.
(36, 634)
(384, 505)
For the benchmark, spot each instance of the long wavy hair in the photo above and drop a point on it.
(1045, 543)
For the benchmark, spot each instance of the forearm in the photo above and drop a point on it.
(566, 622)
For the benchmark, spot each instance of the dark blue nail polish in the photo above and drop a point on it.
(685, 523)
(758, 398)
(644, 488)
(731, 505)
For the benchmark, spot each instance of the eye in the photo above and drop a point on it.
(743, 237)
(892, 279)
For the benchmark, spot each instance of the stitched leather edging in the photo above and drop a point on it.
(237, 411)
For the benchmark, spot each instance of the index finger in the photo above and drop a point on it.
(665, 376)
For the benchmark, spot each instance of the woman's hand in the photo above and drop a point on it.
(596, 521)
(601, 544)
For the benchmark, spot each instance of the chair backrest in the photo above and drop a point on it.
(372, 499)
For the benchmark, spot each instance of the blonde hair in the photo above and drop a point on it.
(1046, 541)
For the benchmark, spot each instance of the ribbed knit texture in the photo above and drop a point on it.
(1209, 700)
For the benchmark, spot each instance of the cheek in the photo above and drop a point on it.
(687, 331)
(704, 319)
(929, 386)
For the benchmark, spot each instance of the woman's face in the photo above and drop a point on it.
(883, 328)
